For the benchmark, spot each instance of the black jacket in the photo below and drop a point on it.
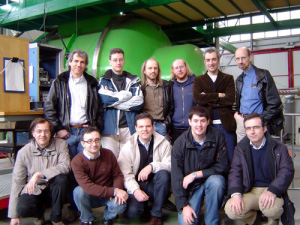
(57, 105)
(280, 165)
(268, 93)
(168, 102)
(186, 158)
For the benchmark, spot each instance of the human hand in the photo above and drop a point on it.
(32, 182)
(63, 134)
(144, 173)
(140, 195)
(267, 199)
(187, 180)
(189, 214)
(237, 204)
(121, 196)
(15, 221)
(221, 95)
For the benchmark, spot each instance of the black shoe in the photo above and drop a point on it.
(169, 205)
(87, 223)
(107, 222)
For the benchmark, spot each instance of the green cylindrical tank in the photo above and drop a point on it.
(138, 38)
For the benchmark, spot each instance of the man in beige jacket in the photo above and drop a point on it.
(39, 175)
(145, 161)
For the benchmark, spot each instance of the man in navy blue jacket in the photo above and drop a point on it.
(260, 174)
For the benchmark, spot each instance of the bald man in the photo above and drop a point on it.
(256, 92)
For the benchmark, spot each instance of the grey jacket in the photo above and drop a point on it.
(54, 161)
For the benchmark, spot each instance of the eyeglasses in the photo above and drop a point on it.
(41, 131)
(118, 60)
(241, 59)
(254, 127)
(91, 141)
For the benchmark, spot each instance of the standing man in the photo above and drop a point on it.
(145, 161)
(40, 174)
(256, 92)
(182, 78)
(199, 164)
(260, 174)
(73, 102)
(100, 180)
(215, 91)
(122, 99)
(158, 97)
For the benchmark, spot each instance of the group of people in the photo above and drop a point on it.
(121, 142)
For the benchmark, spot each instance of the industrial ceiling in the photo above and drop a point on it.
(182, 20)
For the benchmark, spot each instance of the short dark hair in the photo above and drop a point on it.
(88, 130)
(81, 54)
(211, 50)
(115, 51)
(39, 121)
(199, 111)
(143, 116)
(256, 115)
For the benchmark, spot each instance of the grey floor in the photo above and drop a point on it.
(168, 216)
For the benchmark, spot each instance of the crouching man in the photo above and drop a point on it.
(100, 180)
(145, 161)
(39, 175)
(199, 164)
(260, 174)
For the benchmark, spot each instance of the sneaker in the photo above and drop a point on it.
(70, 216)
(155, 220)
(107, 222)
(57, 223)
(39, 221)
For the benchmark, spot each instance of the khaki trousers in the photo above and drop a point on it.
(240, 129)
(252, 204)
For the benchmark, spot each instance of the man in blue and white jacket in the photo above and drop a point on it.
(122, 99)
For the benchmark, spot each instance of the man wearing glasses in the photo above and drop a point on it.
(256, 92)
(122, 99)
(40, 176)
(260, 174)
(100, 180)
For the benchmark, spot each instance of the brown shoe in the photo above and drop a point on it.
(70, 216)
(155, 220)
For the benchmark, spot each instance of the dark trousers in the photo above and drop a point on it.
(55, 194)
(158, 191)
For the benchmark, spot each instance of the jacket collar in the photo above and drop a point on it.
(158, 139)
(108, 75)
(89, 79)
(209, 139)
(49, 148)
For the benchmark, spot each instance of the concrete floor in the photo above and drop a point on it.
(170, 218)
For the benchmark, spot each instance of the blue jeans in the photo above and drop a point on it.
(230, 138)
(158, 191)
(161, 129)
(74, 142)
(85, 203)
(213, 189)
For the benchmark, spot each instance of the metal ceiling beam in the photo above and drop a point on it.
(175, 11)
(207, 21)
(194, 8)
(229, 47)
(215, 7)
(162, 16)
(246, 29)
(235, 6)
(262, 7)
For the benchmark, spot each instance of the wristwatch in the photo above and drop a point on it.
(194, 175)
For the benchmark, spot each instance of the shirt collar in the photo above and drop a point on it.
(250, 71)
(89, 157)
(261, 146)
(147, 145)
(76, 80)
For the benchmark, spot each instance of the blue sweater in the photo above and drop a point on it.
(183, 102)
